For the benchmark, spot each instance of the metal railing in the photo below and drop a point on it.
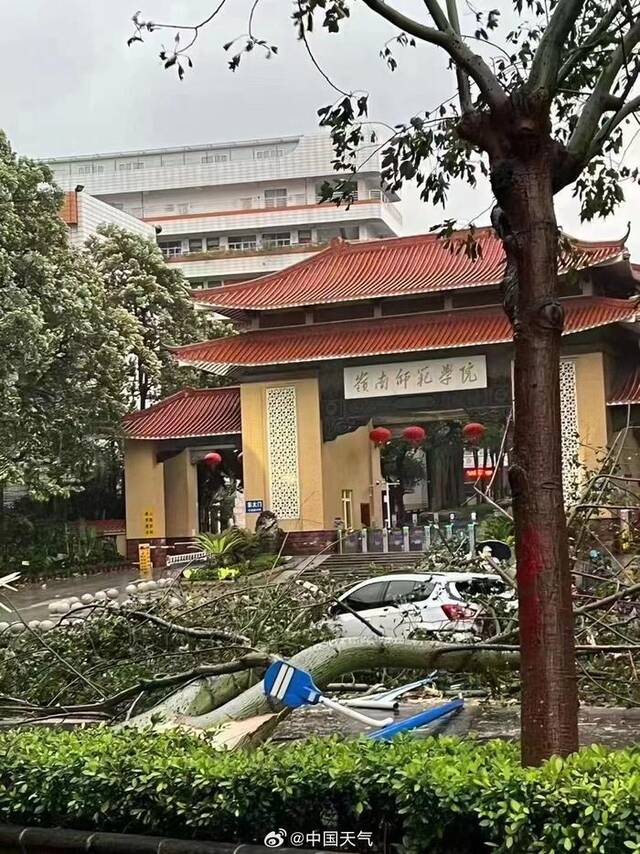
(188, 557)
(407, 538)
(248, 203)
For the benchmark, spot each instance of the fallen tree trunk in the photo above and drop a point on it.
(331, 659)
(198, 697)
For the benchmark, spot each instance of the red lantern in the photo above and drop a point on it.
(415, 435)
(380, 435)
(212, 459)
(473, 432)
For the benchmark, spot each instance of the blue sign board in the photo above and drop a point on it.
(255, 506)
(289, 685)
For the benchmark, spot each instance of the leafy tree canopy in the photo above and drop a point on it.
(156, 297)
(61, 339)
(565, 69)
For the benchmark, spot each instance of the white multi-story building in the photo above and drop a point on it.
(237, 210)
(83, 215)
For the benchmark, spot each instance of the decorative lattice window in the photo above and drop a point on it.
(282, 439)
(568, 426)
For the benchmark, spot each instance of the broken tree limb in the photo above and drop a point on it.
(199, 697)
(331, 659)
(240, 641)
(246, 662)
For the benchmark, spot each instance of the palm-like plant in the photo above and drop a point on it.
(221, 549)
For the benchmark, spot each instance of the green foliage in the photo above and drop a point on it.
(221, 549)
(62, 342)
(250, 566)
(157, 300)
(40, 548)
(115, 651)
(111, 651)
(497, 527)
(402, 462)
(441, 796)
(234, 546)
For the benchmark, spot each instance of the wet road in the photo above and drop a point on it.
(616, 727)
(33, 600)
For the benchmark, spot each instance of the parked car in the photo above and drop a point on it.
(399, 604)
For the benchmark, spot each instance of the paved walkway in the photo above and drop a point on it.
(32, 600)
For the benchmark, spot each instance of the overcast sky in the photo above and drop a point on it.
(71, 86)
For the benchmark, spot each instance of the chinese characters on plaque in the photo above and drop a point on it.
(454, 374)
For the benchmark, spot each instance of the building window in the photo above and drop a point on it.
(276, 238)
(195, 244)
(93, 169)
(242, 241)
(267, 153)
(128, 165)
(215, 283)
(305, 235)
(213, 243)
(214, 158)
(170, 248)
(347, 508)
(275, 198)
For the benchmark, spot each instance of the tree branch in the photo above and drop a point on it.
(191, 631)
(546, 62)
(607, 600)
(464, 90)
(599, 101)
(328, 660)
(632, 106)
(246, 662)
(602, 29)
(210, 634)
(462, 56)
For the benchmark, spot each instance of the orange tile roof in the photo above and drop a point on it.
(397, 266)
(414, 333)
(188, 414)
(626, 390)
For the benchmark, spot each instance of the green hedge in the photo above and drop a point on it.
(439, 795)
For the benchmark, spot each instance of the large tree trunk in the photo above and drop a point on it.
(331, 659)
(549, 687)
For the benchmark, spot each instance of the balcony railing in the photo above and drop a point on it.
(248, 203)
(218, 254)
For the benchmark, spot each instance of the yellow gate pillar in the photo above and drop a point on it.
(181, 497)
(144, 498)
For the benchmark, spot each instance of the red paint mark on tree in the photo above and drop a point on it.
(529, 556)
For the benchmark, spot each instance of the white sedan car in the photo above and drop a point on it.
(400, 604)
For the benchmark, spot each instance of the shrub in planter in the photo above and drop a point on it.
(238, 570)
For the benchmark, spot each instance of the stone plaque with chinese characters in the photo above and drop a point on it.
(424, 377)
